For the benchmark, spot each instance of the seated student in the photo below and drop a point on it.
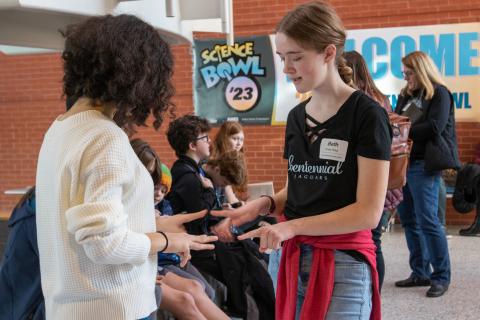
(161, 204)
(20, 287)
(237, 264)
(170, 261)
(228, 168)
(230, 136)
(181, 292)
(188, 136)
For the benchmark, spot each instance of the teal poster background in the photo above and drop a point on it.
(234, 82)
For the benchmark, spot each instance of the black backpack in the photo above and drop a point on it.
(466, 188)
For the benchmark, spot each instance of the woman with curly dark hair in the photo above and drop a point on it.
(97, 236)
(98, 66)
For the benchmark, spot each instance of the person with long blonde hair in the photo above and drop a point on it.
(421, 74)
(337, 137)
(429, 104)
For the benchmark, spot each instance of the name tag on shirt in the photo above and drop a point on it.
(333, 149)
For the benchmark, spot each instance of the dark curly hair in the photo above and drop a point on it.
(122, 60)
(184, 130)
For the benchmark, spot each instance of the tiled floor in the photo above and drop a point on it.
(461, 302)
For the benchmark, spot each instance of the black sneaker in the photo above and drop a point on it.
(437, 290)
(413, 282)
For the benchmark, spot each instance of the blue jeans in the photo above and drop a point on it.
(377, 239)
(273, 265)
(442, 203)
(425, 237)
(352, 291)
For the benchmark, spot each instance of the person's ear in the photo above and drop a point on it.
(192, 146)
(330, 53)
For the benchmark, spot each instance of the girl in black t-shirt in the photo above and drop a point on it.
(337, 147)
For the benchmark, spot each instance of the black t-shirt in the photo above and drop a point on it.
(322, 175)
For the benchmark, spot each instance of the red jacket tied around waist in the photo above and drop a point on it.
(322, 274)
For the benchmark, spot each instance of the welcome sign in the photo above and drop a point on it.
(455, 49)
(245, 82)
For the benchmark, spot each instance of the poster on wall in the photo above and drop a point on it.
(245, 82)
(234, 82)
(455, 49)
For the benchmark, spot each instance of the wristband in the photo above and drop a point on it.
(166, 241)
(272, 205)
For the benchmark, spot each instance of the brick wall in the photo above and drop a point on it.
(30, 89)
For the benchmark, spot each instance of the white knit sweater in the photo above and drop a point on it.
(94, 206)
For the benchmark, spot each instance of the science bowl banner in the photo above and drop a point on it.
(235, 82)
(245, 82)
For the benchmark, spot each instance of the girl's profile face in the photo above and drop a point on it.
(306, 68)
(236, 141)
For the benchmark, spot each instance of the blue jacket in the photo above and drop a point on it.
(20, 289)
(165, 259)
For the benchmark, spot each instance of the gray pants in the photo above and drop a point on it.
(190, 272)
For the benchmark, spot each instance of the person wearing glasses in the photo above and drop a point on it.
(182, 291)
(429, 104)
(191, 190)
(235, 265)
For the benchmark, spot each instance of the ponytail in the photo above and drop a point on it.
(346, 73)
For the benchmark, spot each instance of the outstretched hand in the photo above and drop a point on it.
(180, 243)
(272, 236)
(245, 213)
(176, 222)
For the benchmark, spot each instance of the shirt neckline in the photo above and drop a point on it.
(327, 122)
